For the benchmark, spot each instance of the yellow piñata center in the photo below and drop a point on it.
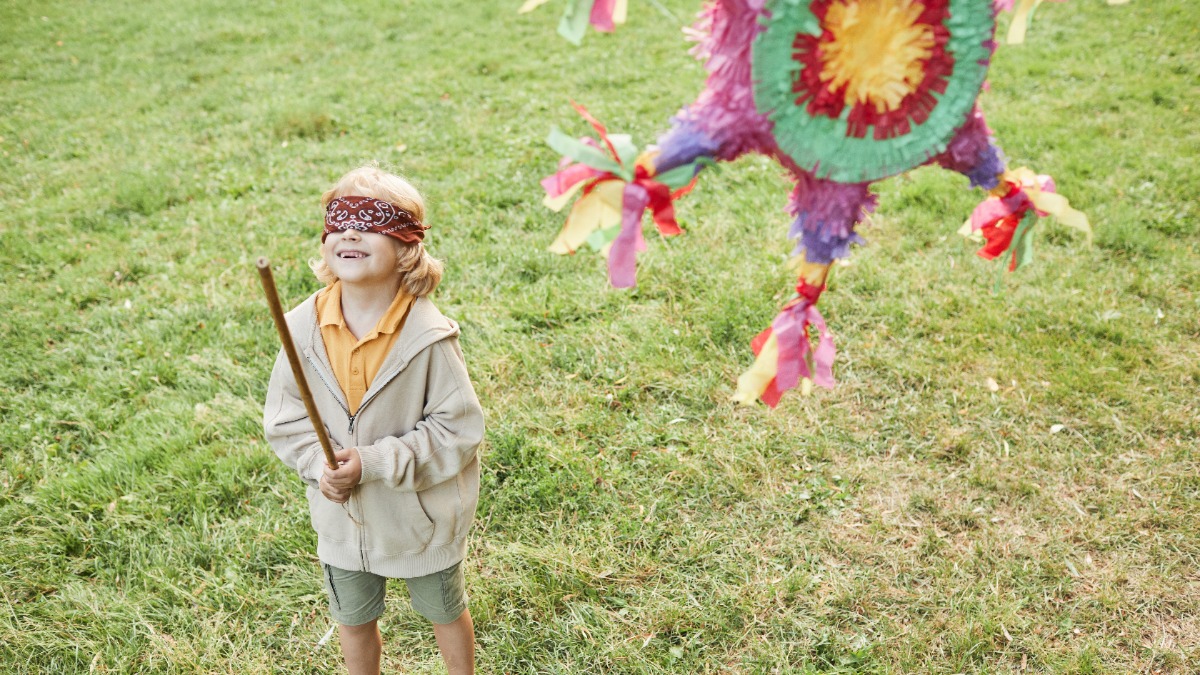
(878, 50)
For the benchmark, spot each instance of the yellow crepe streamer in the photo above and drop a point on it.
(598, 209)
(1020, 21)
(531, 5)
(645, 161)
(814, 273)
(752, 383)
(1051, 202)
(556, 204)
(619, 11)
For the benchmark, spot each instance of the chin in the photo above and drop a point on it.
(352, 278)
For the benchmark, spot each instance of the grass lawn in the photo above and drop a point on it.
(998, 483)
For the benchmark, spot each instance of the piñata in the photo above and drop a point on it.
(841, 93)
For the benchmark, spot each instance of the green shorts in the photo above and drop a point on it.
(356, 598)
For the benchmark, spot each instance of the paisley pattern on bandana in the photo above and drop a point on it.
(367, 214)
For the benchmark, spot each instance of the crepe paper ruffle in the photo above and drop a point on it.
(1006, 217)
(614, 189)
(859, 90)
(973, 153)
(990, 163)
(786, 357)
(905, 60)
(684, 144)
(813, 275)
(647, 192)
(725, 110)
(826, 214)
(622, 257)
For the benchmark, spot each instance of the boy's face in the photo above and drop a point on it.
(361, 258)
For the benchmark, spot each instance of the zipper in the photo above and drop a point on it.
(362, 530)
(351, 420)
(331, 390)
(354, 498)
(386, 381)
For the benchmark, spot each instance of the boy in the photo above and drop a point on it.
(389, 380)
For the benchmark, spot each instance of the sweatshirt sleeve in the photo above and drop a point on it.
(444, 441)
(287, 425)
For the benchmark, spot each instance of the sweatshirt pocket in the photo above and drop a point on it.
(402, 527)
(331, 521)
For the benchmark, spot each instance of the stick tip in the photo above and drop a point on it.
(262, 262)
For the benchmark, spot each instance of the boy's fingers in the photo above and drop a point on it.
(344, 458)
(335, 495)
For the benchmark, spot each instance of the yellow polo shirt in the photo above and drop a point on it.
(356, 362)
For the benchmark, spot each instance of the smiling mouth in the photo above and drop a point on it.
(351, 255)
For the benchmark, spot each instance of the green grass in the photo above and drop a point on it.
(632, 520)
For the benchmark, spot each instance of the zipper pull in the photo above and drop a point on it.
(350, 430)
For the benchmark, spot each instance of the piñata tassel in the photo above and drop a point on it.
(615, 188)
(786, 357)
(1006, 217)
(606, 15)
(603, 15)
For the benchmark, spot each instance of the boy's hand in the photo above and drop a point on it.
(346, 476)
(333, 494)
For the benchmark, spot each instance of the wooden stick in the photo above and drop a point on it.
(285, 336)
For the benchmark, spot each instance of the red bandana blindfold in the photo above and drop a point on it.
(372, 215)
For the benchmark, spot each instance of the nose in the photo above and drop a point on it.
(351, 235)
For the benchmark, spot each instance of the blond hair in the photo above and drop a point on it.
(420, 273)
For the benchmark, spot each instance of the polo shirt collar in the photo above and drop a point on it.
(329, 306)
(329, 311)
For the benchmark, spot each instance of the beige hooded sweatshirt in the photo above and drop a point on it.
(417, 430)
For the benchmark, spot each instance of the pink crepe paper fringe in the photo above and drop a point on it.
(792, 328)
(725, 109)
(601, 17)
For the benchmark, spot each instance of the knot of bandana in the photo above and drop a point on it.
(366, 214)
